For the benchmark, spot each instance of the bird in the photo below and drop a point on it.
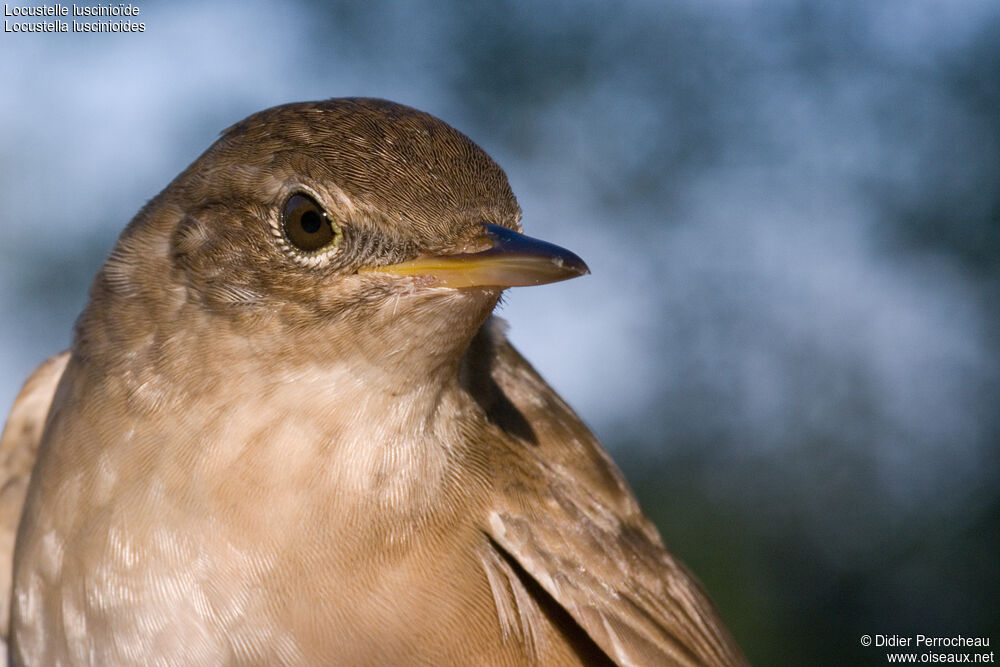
(291, 431)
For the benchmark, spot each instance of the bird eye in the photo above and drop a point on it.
(306, 225)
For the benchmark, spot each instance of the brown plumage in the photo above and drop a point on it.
(290, 432)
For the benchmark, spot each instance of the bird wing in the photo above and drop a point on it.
(568, 519)
(18, 450)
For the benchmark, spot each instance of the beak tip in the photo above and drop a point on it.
(575, 265)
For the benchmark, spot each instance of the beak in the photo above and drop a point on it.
(514, 260)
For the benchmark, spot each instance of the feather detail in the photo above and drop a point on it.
(18, 450)
(566, 516)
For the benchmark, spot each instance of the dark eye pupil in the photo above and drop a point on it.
(310, 222)
(305, 225)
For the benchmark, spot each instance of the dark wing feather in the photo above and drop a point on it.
(18, 449)
(568, 518)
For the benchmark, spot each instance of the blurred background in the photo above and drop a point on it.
(792, 213)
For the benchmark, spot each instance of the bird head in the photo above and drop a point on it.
(325, 226)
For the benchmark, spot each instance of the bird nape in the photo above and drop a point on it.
(289, 431)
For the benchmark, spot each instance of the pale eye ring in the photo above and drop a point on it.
(306, 226)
